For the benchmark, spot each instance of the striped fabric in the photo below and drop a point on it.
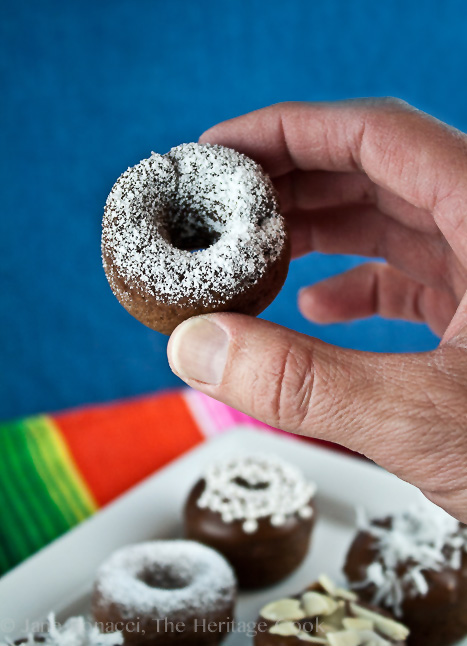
(42, 493)
(57, 470)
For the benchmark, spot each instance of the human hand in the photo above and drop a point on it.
(379, 179)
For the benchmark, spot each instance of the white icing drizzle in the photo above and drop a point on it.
(420, 538)
(247, 488)
(205, 579)
(76, 631)
(193, 188)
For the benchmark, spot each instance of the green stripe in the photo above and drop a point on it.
(61, 486)
(18, 500)
(5, 563)
(31, 491)
(16, 544)
(48, 520)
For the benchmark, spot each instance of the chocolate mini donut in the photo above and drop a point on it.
(414, 564)
(166, 592)
(258, 512)
(194, 231)
(329, 615)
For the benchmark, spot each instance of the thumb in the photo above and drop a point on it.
(300, 384)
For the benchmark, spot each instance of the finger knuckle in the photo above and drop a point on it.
(395, 102)
(292, 388)
(285, 105)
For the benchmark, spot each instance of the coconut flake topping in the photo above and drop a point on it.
(76, 631)
(421, 538)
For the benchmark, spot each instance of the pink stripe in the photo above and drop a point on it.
(199, 412)
(222, 416)
(213, 417)
(219, 413)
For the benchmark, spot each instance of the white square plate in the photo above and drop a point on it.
(60, 576)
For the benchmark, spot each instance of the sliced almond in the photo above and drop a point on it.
(328, 584)
(370, 638)
(343, 593)
(326, 628)
(315, 603)
(332, 589)
(392, 629)
(283, 610)
(311, 639)
(356, 623)
(285, 629)
(344, 638)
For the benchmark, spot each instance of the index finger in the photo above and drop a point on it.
(401, 149)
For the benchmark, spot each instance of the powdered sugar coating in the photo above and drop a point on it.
(248, 488)
(421, 538)
(190, 196)
(206, 581)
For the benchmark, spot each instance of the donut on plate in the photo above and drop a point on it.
(194, 231)
(328, 615)
(258, 512)
(165, 592)
(414, 564)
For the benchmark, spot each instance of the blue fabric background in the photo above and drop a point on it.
(90, 87)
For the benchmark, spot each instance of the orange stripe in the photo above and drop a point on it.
(117, 445)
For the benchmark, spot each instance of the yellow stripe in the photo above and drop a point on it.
(58, 468)
(44, 462)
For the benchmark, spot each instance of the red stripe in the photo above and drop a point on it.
(117, 445)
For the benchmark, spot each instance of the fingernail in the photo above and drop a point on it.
(198, 350)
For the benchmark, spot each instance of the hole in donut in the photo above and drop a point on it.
(191, 231)
(194, 240)
(248, 485)
(164, 578)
